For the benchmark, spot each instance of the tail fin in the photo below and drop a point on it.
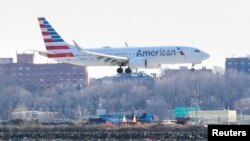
(53, 41)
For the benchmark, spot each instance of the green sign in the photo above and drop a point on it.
(183, 111)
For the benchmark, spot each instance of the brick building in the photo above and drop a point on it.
(44, 75)
(241, 64)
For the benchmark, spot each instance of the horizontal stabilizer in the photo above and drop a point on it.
(43, 52)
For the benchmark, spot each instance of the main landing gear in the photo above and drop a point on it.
(120, 70)
(128, 70)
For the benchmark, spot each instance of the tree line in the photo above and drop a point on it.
(209, 91)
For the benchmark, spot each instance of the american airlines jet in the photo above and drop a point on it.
(131, 57)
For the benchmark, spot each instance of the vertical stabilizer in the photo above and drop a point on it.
(53, 41)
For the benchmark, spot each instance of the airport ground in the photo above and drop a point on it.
(33, 130)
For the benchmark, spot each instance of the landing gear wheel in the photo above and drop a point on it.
(119, 70)
(128, 70)
(192, 69)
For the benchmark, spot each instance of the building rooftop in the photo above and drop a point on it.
(140, 77)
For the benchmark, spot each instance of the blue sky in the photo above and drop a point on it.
(219, 27)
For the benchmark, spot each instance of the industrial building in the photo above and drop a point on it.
(42, 116)
(241, 64)
(43, 75)
(213, 116)
(195, 115)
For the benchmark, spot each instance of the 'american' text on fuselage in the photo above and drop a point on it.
(160, 52)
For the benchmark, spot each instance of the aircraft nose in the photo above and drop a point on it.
(206, 55)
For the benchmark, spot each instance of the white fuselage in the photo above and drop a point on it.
(155, 56)
(133, 57)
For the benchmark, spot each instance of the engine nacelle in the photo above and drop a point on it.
(136, 63)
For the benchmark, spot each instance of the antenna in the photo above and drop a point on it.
(126, 44)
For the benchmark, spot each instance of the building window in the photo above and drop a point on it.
(20, 74)
(20, 68)
(242, 63)
(229, 63)
(27, 68)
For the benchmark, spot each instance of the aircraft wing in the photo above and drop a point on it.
(111, 59)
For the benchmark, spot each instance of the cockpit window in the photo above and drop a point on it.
(197, 50)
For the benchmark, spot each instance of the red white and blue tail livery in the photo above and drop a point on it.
(53, 41)
(132, 57)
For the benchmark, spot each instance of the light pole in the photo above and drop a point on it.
(196, 110)
(196, 101)
(120, 117)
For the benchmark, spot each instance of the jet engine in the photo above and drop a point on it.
(137, 63)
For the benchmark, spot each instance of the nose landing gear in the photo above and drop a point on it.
(192, 69)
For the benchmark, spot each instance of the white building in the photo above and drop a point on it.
(214, 116)
(36, 115)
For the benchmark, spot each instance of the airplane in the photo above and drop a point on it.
(131, 57)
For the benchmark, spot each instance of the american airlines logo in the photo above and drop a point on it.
(160, 52)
